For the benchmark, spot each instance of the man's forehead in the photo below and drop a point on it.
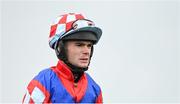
(81, 41)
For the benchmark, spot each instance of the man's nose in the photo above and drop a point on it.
(86, 50)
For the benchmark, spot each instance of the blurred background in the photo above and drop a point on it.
(136, 60)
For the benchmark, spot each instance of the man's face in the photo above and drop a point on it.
(78, 52)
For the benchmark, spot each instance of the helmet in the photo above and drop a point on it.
(73, 26)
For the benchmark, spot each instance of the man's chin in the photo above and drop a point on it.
(83, 66)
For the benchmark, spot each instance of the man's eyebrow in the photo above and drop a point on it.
(82, 42)
(79, 42)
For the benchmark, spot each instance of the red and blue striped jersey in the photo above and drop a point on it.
(56, 85)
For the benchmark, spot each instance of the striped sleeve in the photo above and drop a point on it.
(38, 90)
(36, 93)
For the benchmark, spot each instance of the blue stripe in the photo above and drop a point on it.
(92, 92)
(44, 78)
(52, 83)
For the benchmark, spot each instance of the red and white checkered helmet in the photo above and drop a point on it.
(70, 23)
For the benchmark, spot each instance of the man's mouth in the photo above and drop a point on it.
(84, 60)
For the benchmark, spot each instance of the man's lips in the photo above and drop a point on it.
(84, 60)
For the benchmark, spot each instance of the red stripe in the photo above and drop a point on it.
(24, 98)
(63, 19)
(68, 26)
(31, 101)
(53, 30)
(99, 99)
(35, 83)
(79, 16)
(65, 83)
(82, 87)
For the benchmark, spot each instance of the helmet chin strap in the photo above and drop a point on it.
(76, 69)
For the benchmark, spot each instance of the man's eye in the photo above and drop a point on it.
(89, 45)
(78, 44)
